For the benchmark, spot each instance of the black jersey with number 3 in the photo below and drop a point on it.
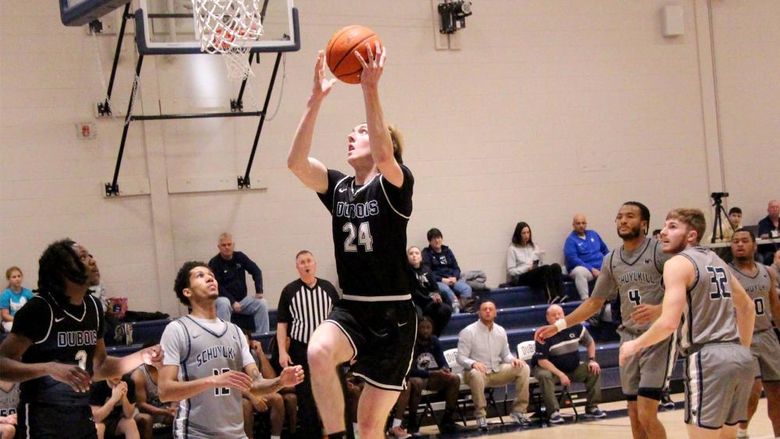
(369, 233)
(62, 333)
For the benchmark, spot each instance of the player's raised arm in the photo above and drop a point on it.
(309, 170)
(378, 131)
(583, 312)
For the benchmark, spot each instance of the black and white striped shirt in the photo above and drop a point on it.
(303, 308)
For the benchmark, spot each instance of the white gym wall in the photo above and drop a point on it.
(550, 107)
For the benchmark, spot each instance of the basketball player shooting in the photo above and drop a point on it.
(375, 324)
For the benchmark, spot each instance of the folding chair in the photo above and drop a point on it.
(451, 355)
(526, 351)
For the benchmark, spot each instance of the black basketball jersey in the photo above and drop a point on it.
(62, 333)
(369, 233)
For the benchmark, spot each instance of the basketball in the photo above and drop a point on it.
(340, 51)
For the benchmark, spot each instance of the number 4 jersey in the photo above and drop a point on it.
(636, 276)
(63, 333)
(369, 233)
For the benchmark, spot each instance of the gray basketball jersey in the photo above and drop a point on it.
(636, 276)
(709, 316)
(9, 400)
(757, 287)
(215, 413)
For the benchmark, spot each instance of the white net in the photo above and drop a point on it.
(227, 27)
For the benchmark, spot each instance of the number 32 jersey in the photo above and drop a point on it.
(637, 276)
(369, 233)
(63, 333)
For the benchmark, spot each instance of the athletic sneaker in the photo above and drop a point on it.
(666, 402)
(595, 412)
(398, 432)
(521, 419)
(482, 423)
(556, 418)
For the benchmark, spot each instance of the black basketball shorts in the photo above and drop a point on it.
(382, 335)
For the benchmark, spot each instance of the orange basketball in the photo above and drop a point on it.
(340, 51)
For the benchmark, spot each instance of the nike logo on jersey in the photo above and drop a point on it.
(342, 190)
(401, 325)
(59, 319)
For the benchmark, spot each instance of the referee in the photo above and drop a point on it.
(303, 305)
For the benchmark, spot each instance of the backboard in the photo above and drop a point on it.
(79, 12)
(168, 27)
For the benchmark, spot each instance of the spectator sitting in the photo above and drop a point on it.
(147, 396)
(275, 404)
(446, 272)
(483, 351)
(9, 400)
(113, 409)
(769, 227)
(426, 294)
(230, 268)
(558, 359)
(13, 297)
(584, 250)
(524, 265)
(429, 371)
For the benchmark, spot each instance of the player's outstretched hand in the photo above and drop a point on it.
(545, 332)
(645, 313)
(291, 376)
(153, 355)
(322, 84)
(233, 379)
(373, 66)
(77, 378)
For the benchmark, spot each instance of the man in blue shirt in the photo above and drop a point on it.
(230, 268)
(584, 250)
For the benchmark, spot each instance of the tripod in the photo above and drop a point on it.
(717, 223)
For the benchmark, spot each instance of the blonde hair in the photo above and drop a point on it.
(694, 218)
(398, 142)
(10, 271)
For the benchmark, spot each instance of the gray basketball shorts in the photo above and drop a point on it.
(645, 373)
(766, 355)
(718, 379)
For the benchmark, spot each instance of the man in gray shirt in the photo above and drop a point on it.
(483, 351)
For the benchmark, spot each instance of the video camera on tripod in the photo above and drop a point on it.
(720, 213)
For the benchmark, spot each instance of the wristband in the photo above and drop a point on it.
(560, 324)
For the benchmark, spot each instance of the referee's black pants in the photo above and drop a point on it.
(308, 418)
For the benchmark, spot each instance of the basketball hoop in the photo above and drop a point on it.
(227, 27)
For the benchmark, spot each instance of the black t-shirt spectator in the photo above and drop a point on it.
(101, 392)
(562, 349)
(231, 275)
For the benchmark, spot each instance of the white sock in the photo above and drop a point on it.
(397, 422)
(741, 432)
(276, 437)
